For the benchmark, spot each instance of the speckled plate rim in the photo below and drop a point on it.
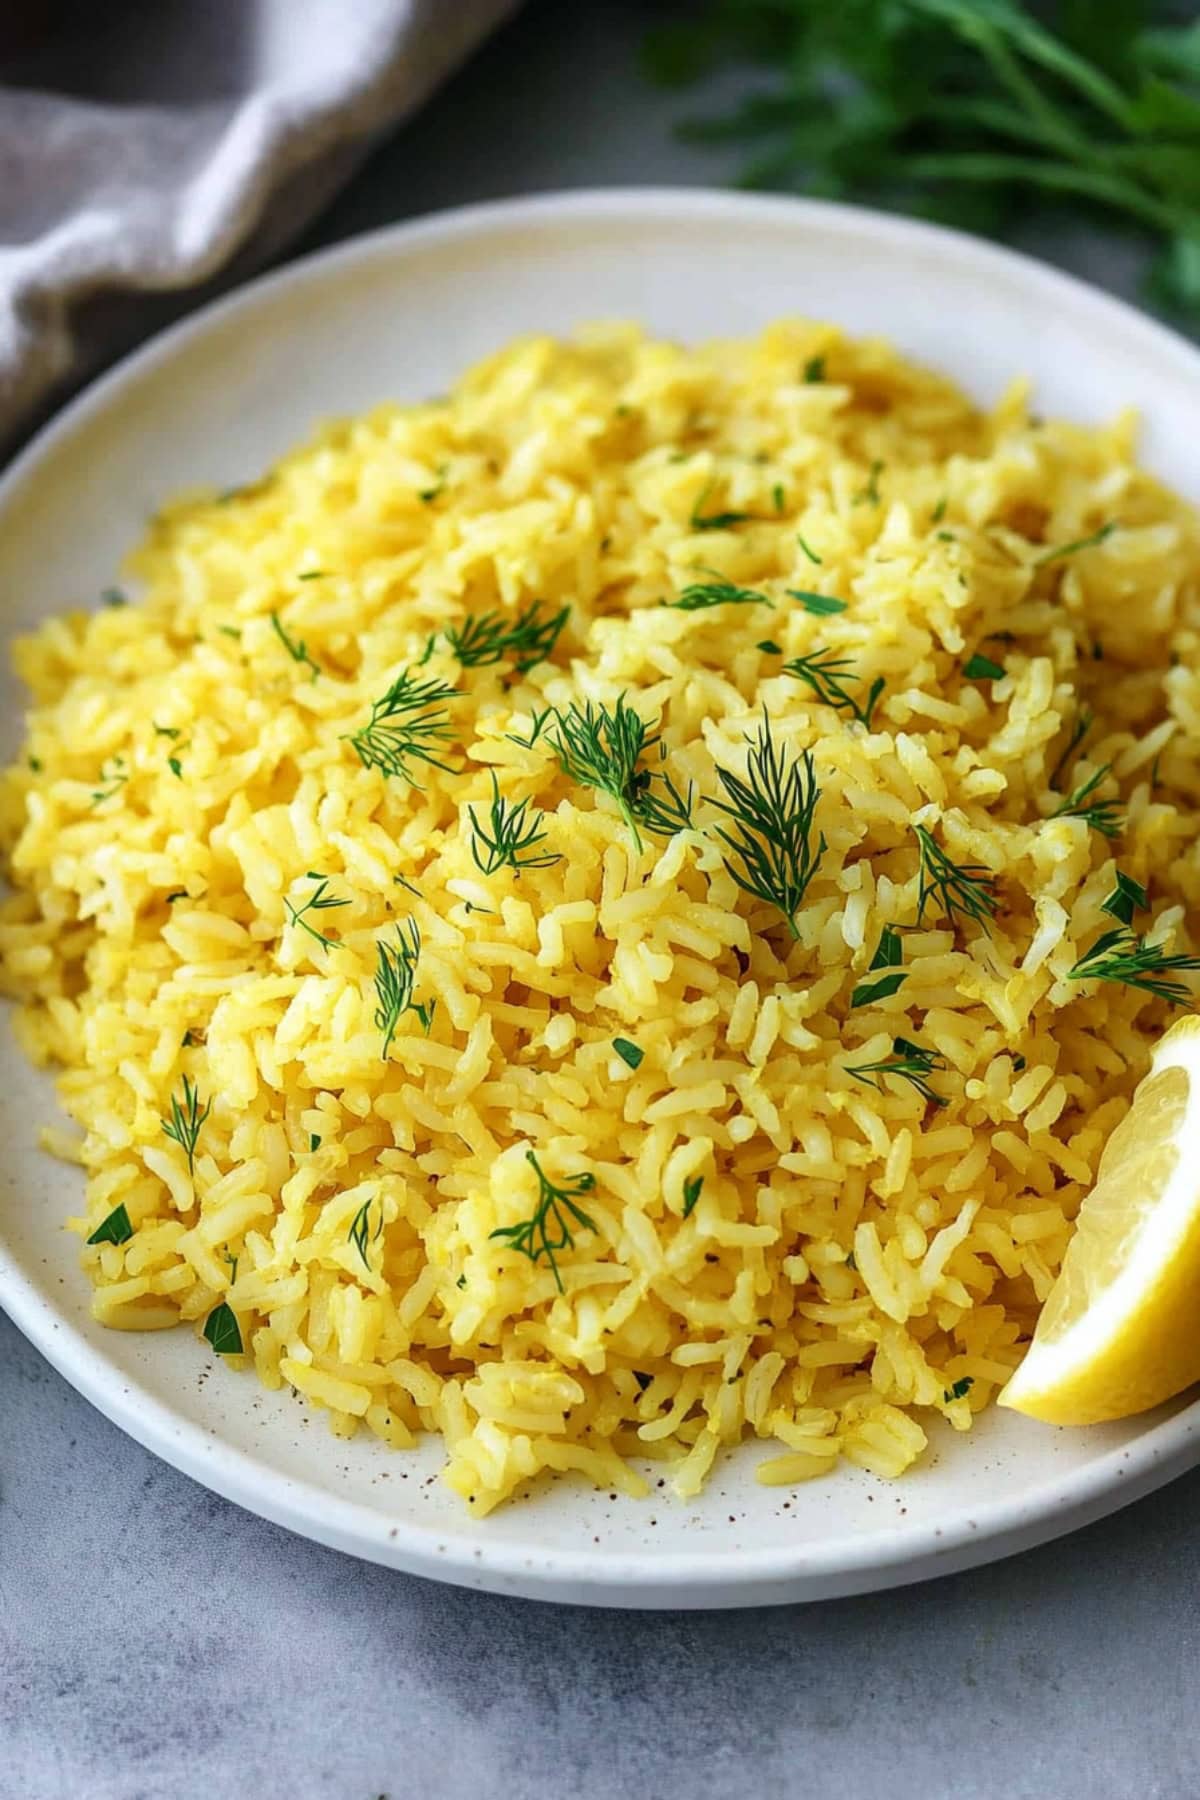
(1165, 1448)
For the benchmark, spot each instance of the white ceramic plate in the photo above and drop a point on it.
(397, 315)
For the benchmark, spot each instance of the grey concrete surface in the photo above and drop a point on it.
(155, 1641)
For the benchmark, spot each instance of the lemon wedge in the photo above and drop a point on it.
(1119, 1330)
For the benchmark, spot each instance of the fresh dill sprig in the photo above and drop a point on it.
(549, 1227)
(1084, 720)
(1127, 898)
(113, 776)
(966, 890)
(774, 811)
(884, 972)
(827, 674)
(982, 668)
(186, 1121)
(223, 1331)
(718, 521)
(1084, 543)
(814, 370)
(701, 594)
(296, 649)
(514, 831)
(359, 1233)
(115, 1229)
(662, 810)
(870, 494)
(395, 973)
(909, 1062)
(1104, 816)
(320, 900)
(1121, 955)
(807, 548)
(486, 638)
(691, 1193)
(822, 606)
(600, 749)
(407, 725)
(631, 1054)
(958, 1390)
(540, 720)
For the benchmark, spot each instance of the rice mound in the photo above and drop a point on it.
(859, 1261)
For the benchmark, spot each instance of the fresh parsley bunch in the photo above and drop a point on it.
(967, 111)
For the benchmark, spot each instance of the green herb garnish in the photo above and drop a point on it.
(176, 767)
(222, 1330)
(514, 832)
(359, 1232)
(822, 606)
(965, 890)
(115, 1229)
(540, 720)
(600, 749)
(908, 1062)
(888, 957)
(629, 1053)
(186, 1121)
(982, 668)
(395, 973)
(167, 731)
(298, 651)
(486, 638)
(1084, 721)
(959, 1389)
(774, 810)
(777, 497)
(1127, 897)
(549, 1227)
(701, 594)
(1104, 816)
(1121, 955)
(314, 1142)
(870, 494)
(827, 674)
(814, 370)
(718, 521)
(176, 894)
(768, 647)
(807, 549)
(407, 724)
(113, 776)
(320, 900)
(1083, 543)
(312, 575)
(113, 596)
(939, 511)
(691, 1193)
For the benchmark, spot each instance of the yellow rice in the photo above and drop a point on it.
(857, 1258)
